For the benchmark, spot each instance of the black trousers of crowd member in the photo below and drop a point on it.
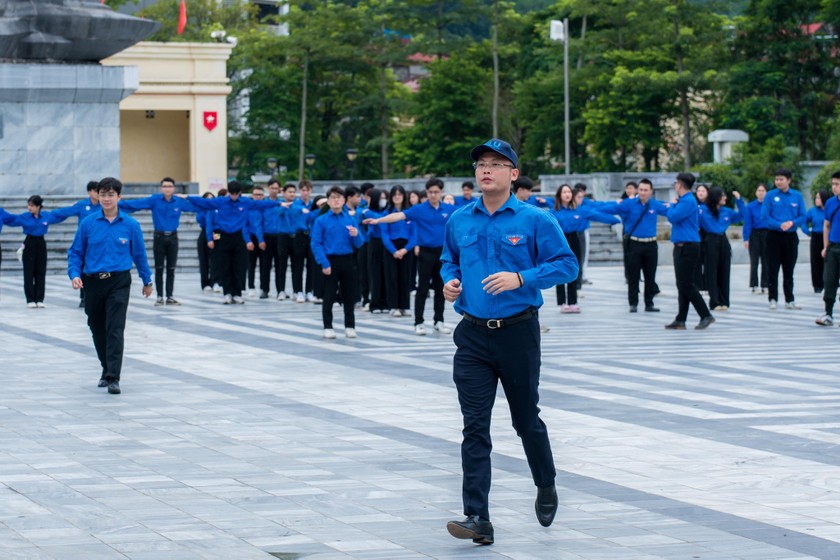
(412, 263)
(205, 256)
(303, 247)
(165, 248)
(686, 256)
(782, 251)
(717, 266)
(428, 272)
(255, 256)
(231, 257)
(270, 259)
(343, 282)
(397, 277)
(817, 263)
(34, 268)
(289, 250)
(625, 250)
(106, 305)
(484, 357)
(364, 277)
(831, 276)
(567, 293)
(699, 272)
(758, 256)
(642, 258)
(376, 274)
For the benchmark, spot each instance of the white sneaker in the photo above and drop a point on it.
(31, 305)
(419, 330)
(405, 312)
(350, 333)
(773, 304)
(441, 327)
(252, 293)
(208, 289)
(238, 299)
(396, 313)
(366, 306)
(791, 305)
(544, 328)
(40, 304)
(300, 298)
(329, 333)
(310, 297)
(826, 320)
(228, 299)
(217, 289)
(282, 296)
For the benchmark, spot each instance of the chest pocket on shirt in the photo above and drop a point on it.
(513, 251)
(469, 250)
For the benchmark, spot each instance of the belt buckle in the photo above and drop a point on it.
(494, 323)
(104, 275)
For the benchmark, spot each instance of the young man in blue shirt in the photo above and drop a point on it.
(334, 236)
(685, 235)
(498, 255)
(831, 251)
(166, 214)
(99, 260)
(784, 212)
(82, 209)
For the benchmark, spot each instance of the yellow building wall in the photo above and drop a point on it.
(154, 148)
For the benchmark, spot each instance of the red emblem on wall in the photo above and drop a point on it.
(211, 119)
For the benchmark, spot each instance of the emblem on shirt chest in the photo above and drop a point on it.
(514, 239)
(123, 240)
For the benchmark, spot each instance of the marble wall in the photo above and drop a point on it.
(60, 125)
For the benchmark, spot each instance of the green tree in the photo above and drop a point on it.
(237, 18)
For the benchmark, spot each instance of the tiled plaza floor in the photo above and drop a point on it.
(242, 434)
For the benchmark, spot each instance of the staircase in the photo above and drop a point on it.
(60, 236)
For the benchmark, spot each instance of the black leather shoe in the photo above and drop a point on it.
(473, 527)
(705, 322)
(114, 387)
(634, 309)
(676, 326)
(652, 309)
(546, 505)
(103, 382)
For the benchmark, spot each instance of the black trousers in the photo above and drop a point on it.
(567, 293)
(205, 256)
(253, 257)
(289, 250)
(717, 266)
(106, 305)
(364, 278)
(376, 274)
(831, 276)
(758, 256)
(483, 358)
(231, 256)
(699, 272)
(428, 272)
(165, 248)
(817, 263)
(342, 281)
(271, 258)
(686, 256)
(318, 275)
(302, 248)
(34, 268)
(782, 252)
(397, 277)
(642, 258)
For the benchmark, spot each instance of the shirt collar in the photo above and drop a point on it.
(512, 204)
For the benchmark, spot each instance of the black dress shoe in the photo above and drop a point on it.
(114, 387)
(651, 309)
(546, 505)
(634, 309)
(103, 382)
(705, 322)
(473, 527)
(676, 326)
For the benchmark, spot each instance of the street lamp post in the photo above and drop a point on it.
(310, 162)
(559, 31)
(272, 166)
(352, 154)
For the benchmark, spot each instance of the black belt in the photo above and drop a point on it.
(106, 275)
(499, 323)
(166, 233)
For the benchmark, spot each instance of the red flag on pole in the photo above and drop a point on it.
(182, 17)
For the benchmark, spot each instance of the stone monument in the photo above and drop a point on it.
(59, 108)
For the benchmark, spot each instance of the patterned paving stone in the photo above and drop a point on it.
(242, 434)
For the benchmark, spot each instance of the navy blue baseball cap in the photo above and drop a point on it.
(495, 145)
